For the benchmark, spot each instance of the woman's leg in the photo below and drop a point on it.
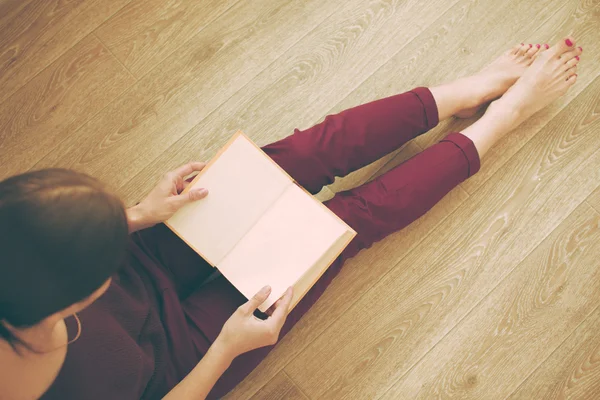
(348, 141)
(356, 137)
(395, 199)
(374, 210)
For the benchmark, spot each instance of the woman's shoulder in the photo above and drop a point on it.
(25, 374)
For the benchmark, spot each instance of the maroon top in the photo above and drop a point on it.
(128, 337)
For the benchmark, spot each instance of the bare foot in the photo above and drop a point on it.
(501, 74)
(549, 77)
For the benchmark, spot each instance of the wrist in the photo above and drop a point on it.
(222, 351)
(138, 219)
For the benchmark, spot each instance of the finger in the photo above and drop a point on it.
(282, 307)
(189, 197)
(187, 169)
(256, 300)
(269, 312)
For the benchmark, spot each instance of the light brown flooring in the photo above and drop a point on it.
(494, 294)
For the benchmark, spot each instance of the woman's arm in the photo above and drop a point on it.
(165, 199)
(241, 333)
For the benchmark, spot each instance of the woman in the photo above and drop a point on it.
(133, 312)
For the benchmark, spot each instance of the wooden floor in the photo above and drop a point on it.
(494, 294)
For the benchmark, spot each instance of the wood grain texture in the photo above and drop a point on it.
(280, 387)
(35, 33)
(580, 18)
(519, 324)
(160, 108)
(57, 101)
(298, 88)
(488, 286)
(429, 291)
(573, 370)
(594, 200)
(145, 32)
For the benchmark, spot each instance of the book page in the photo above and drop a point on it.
(283, 245)
(311, 276)
(242, 184)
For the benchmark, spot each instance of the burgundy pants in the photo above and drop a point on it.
(337, 146)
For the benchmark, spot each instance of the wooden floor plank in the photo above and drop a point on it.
(133, 130)
(280, 387)
(145, 32)
(519, 324)
(60, 99)
(572, 371)
(396, 322)
(38, 32)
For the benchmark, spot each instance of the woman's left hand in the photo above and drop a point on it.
(166, 198)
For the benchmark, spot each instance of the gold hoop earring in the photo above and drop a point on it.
(78, 329)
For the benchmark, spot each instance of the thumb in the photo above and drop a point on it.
(188, 197)
(256, 300)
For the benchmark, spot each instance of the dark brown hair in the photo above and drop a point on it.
(62, 235)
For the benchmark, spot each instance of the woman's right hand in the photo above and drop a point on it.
(244, 332)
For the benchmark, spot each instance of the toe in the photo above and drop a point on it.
(571, 80)
(563, 46)
(532, 51)
(515, 49)
(522, 49)
(569, 55)
(570, 72)
(572, 62)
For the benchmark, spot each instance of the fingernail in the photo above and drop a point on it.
(538, 46)
(568, 42)
(577, 58)
(199, 193)
(547, 47)
(530, 45)
(266, 289)
(580, 49)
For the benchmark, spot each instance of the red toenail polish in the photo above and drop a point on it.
(568, 42)
(546, 46)
(577, 58)
(530, 46)
(538, 46)
(522, 44)
(580, 49)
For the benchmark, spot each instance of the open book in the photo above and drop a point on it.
(257, 226)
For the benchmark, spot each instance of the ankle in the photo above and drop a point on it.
(502, 116)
